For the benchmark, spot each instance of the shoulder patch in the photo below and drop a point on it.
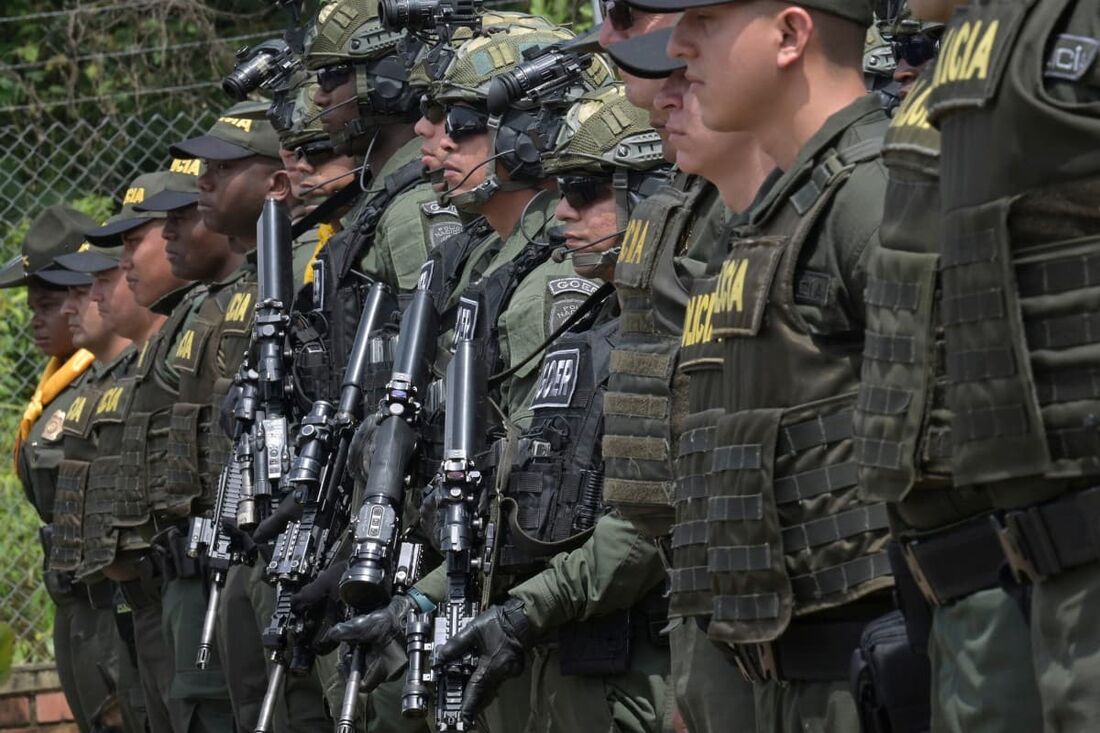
(813, 288)
(114, 403)
(561, 285)
(557, 379)
(434, 208)
(54, 423)
(1071, 57)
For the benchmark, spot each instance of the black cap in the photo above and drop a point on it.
(645, 56)
(169, 201)
(90, 260)
(56, 231)
(65, 277)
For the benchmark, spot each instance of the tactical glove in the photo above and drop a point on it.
(500, 637)
(289, 510)
(378, 628)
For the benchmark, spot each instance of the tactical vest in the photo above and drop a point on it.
(902, 426)
(144, 476)
(206, 357)
(41, 453)
(1015, 95)
(80, 442)
(554, 493)
(645, 403)
(327, 310)
(106, 506)
(786, 531)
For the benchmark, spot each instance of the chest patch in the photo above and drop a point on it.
(465, 319)
(562, 285)
(813, 288)
(442, 231)
(189, 348)
(744, 283)
(114, 403)
(54, 424)
(557, 379)
(634, 238)
(1071, 57)
(238, 314)
(79, 414)
(974, 54)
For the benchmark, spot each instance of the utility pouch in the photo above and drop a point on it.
(891, 684)
(598, 647)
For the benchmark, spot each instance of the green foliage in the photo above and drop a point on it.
(577, 14)
(25, 606)
(7, 648)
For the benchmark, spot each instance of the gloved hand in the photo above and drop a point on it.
(500, 636)
(378, 628)
(242, 542)
(378, 666)
(323, 589)
(289, 510)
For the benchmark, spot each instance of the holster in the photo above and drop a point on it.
(173, 558)
(891, 684)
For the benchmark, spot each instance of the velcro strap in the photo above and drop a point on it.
(1063, 332)
(820, 178)
(635, 322)
(960, 561)
(1058, 276)
(640, 364)
(815, 482)
(689, 533)
(1061, 534)
(739, 558)
(886, 347)
(879, 400)
(967, 249)
(746, 607)
(812, 433)
(1074, 443)
(636, 448)
(835, 527)
(688, 580)
(990, 422)
(1067, 385)
(738, 457)
(893, 294)
(736, 508)
(630, 491)
(690, 487)
(841, 578)
(975, 364)
(971, 307)
(880, 453)
(697, 441)
(635, 405)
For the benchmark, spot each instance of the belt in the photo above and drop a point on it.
(1047, 539)
(808, 651)
(957, 562)
(143, 591)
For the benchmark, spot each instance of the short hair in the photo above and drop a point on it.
(841, 40)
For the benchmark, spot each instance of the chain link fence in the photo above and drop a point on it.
(87, 163)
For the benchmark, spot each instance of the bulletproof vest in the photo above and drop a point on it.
(41, 453)
(554, 492)
(786, 531)
(327, 310)
(143, 475)
(902, 425)
(80, 443)
(206, 357)
(1014, 95)
(107, 507)
(644, 406)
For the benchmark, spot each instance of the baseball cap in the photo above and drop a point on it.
(57, 230)
(129, 217)
(645, 56)
(241, 132)
(857, 11)
(90, 260)
(182, 190)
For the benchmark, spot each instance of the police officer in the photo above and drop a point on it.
(937, 524)
(1013, 96)
(790, 586)
(38, 452)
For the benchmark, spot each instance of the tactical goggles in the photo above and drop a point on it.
(462, 122)
(315, 153)
(916, 49)
(582, 191)
(331, 77)
(619, 14)
(432, 112)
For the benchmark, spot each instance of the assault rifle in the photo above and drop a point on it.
(463, 535)
(249, 483)
(307, 545)
(377, 567)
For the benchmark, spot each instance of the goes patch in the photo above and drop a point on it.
(567, 294)
(557, 379)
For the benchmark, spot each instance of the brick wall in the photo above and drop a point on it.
(32, 700)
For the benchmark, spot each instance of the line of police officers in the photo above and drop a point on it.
(796, 434)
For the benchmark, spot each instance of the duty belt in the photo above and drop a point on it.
(1047, 539)
(957, 562)
(808, 651)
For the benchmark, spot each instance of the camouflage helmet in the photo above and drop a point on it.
(878, 56)
(602, 132)
(305, 119)
(475, 63)
(349, 31)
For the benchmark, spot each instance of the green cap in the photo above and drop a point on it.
(58, 230)
(241, 132)
(857, 11)
(89, 260)
(143, 188)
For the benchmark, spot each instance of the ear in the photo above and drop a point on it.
(795, 26)
(278, 185)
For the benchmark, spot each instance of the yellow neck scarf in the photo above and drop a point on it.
(55, 378)
(324, 233)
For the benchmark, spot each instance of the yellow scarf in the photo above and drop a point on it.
(55, 379)
(324, 233)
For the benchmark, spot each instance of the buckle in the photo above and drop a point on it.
(925, 587)
(756, 661)
(1013, 545)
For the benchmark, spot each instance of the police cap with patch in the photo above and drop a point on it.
(182, 190)
(857, 11)
(89, 259)
(241, 132)
(56, 231)
(645, 56)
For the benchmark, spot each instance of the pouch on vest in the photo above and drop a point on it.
(890, 683)
(65, 551)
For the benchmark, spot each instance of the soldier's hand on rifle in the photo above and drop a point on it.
(290, 510)
(242, 542)
(378, 628)
(500, 636)
(316, 595)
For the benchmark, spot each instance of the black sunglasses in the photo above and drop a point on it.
(581, 191)
(619, 14)
(330, 77)
(915, 49)
(461, 122)
(315, 153)
(431, 111)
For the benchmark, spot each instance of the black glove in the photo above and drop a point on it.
(289, 510)
(500, 637)
(323, 589)
(377, 666)
(241, 542)
(377, 629)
